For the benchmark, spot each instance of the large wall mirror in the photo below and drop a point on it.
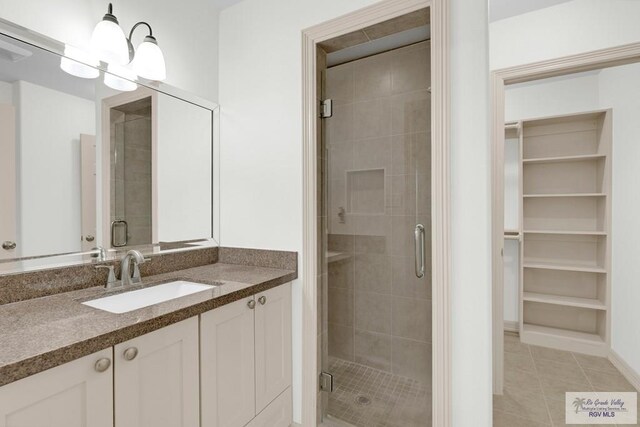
(87, 170)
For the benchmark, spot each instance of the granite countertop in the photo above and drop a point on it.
(41, 333)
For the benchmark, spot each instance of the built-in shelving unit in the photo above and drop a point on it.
(565, 245)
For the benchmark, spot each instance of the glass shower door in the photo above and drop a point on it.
(378, 239)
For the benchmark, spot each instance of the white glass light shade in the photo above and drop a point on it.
(79, 63)
(109, 44)
(118, 77)
(149, 62)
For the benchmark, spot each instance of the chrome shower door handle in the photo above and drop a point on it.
(418, 236)
(114, 225)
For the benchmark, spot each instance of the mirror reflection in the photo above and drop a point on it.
(84, 166)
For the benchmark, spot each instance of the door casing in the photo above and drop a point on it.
(440, 191)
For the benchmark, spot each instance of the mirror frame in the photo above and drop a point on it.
(16, 265)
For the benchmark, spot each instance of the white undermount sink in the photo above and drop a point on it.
(133, 300)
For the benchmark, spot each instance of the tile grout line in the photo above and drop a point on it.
(582, 369)
(583, 372)
(544, 396)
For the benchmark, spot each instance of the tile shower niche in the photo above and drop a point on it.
(365, 191)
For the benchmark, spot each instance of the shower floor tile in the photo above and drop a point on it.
(367, 397)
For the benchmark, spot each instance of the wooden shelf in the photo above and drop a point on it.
(566, 213)
(564, 267)
(564, 300)
(565, 195)
(578, 158)
(562, 333)
(573, 232)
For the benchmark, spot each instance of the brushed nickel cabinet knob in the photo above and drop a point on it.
(8, 245)
(251, 304)
(130, 353)
(102, 364)
(262, 300)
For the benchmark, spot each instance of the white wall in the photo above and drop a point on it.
(565, 29)
(558, 95)
(471, 220)
(6, 93)
(186, 32)
(49, 124)
(620, 90)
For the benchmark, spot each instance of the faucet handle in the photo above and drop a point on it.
(111, 280)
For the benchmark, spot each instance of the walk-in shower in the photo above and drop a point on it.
(375, 164)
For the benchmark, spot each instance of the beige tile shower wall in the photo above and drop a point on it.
(131, 173)
(137, 172)
(378, 144)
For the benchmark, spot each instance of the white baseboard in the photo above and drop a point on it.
(627, 371)
(511, 325)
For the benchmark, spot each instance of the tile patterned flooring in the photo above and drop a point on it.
(536, 379)
(394, 401)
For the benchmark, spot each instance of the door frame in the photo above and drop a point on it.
(597, 59)
(440, 190)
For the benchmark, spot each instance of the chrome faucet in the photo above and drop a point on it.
(125, 268)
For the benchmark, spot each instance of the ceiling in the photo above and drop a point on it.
(501, 9)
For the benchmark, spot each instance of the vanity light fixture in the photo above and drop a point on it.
(79, 63)
(108, 41)
(120, 77)
(109, 44)
(148, 60)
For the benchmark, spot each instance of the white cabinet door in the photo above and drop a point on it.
(227, 365)
(277, 414)
(273, 344)
(157, 378)
(76, 394)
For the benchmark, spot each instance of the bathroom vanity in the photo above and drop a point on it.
(91, 171)
(218, 357)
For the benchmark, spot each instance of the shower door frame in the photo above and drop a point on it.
(440, 190)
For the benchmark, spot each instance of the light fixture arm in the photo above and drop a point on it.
(148, 38)
(136, 26)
